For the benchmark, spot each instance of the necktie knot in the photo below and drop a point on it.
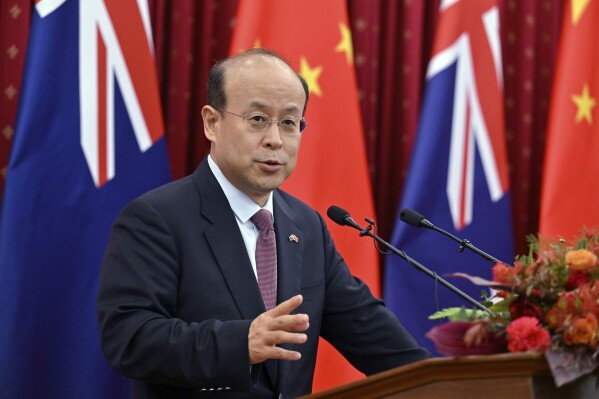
(263, 220)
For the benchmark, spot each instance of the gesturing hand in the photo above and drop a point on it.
(274, 327)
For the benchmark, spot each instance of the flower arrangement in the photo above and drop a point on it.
(548, 302)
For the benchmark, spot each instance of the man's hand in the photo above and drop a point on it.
(274, 327)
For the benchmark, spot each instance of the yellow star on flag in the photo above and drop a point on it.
(257, 43)
(311, 75)
(578, 8)
(345, 45)
(585, 104)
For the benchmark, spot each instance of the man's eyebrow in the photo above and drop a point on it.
(262, 106)
(258, 104)
(292, 108)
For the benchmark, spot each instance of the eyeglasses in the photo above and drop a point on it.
(257, 121)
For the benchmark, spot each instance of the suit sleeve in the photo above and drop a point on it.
(137, 301)
(359, 325)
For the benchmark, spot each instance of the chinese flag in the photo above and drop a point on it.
(314, 36)
(571, 172)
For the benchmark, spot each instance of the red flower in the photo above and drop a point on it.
(523, 306)
(573, 304)
(525, 333)
(564, 307)
(576, 279)
(506, 275)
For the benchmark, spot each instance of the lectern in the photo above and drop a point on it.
(505, 376)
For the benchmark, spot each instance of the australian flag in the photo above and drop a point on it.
(89, 138)
(458, 177)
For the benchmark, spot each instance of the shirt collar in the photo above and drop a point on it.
(242, 205)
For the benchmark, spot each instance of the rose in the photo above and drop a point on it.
(525, 333)
(582, 332)
(523, 306)
(581, 260)
(576, 279)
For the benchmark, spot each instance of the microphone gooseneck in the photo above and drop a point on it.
(342, 217)
(415, 219)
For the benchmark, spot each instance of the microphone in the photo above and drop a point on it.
(342, 217)
(415, 219)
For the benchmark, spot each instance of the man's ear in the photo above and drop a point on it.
(211, 119)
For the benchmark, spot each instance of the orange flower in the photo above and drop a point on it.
(582, 332)
(581, 260)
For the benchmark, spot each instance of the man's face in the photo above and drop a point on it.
(256, 162)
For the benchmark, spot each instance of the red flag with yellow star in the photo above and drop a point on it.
(571, 172)
(313, 35)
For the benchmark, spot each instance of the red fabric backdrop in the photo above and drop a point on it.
(392, 42)
(14, 30)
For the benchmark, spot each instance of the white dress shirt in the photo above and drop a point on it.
(244, 208)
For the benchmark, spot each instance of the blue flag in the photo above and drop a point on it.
(89, 138)
(458, 177)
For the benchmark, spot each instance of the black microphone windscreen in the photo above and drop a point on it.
(410, 217)
(337, 214)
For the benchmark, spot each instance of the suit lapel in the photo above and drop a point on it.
(290, 247)
(226, 242)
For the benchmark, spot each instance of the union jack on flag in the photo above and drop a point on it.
(468, 35)
(88, 139)
(458, 177)
(115, 40)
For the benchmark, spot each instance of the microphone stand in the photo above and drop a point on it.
(367, 232)
(465, 243)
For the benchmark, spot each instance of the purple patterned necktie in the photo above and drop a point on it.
(266, 258)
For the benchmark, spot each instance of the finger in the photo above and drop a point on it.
(264, 348)
(274, 352)
(296, 322)
(284, 337)
(284, 354)
(286, 307)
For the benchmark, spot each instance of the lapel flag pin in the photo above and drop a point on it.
(294, 238)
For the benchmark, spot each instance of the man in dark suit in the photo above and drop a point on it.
(183, 308)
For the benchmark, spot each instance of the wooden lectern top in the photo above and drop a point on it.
(507, 375)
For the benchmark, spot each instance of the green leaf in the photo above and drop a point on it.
(457, 314)
(501, 306)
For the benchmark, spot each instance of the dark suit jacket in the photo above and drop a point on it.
(178, 294)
